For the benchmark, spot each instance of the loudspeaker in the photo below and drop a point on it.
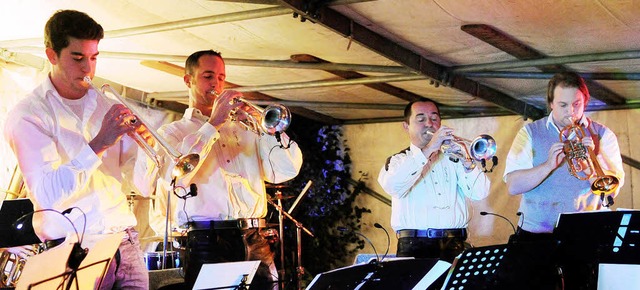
(394, 274)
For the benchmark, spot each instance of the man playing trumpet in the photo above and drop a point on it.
(534, 170)
(225, 218)
(73, 150)
(428, 190)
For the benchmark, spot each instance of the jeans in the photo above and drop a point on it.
(127, 270)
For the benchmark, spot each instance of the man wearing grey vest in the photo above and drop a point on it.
(535, 167)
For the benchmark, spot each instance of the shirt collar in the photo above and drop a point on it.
(193, 113)
(49, 89)
(584, 121)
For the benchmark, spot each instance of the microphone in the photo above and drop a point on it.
(377, 225)
(77, 253)
(193, 189)
(522, 219)
(345, 229)
(500, 216)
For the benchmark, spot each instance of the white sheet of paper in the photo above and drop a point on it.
(225, 274)
(436, 271)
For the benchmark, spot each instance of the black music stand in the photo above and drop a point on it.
(587, 239)
(476, 268)
(600, 236)
(394, 274)
(11, 211)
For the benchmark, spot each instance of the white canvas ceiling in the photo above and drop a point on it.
(417, 45)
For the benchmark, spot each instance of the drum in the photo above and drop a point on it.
(271, 235)
(154, 260)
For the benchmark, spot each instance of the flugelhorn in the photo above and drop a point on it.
(183, 163)
(480, 149)
(275, 118)
(582, 161)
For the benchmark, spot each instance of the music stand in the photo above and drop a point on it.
(394, 274)
(12, 210)
(587, 239)
(600, 236)
(475, 268)
(231, 275)
(53, 265)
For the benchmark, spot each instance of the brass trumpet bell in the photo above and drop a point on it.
(273, 119)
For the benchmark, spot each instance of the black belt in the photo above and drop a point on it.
(433, 233)
(53, 243)
(242, 224)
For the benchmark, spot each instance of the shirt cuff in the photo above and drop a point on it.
(209, 131)
(87, 159)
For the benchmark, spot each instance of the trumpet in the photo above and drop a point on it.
(583, 163)
(272, 120)
(480, 149)
(183, 163)
(11, 266)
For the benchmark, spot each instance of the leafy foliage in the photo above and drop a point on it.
(327, 205)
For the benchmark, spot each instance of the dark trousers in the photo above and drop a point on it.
(439, 248)
(229, 245)
(529, 263)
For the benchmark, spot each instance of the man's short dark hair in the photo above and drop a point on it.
(70, 23)
(567, 80)
(407, 108)
(192, 61)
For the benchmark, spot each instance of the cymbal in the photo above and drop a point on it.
(140, 197)
(161, 238)
(276, 186)
(281, 197)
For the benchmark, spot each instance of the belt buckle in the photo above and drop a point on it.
(433, 233)
(243, 224)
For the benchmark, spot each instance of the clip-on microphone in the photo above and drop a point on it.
(77, 252)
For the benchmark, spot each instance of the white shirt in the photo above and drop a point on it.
(430, 193)
(61, 171)
(234, 164)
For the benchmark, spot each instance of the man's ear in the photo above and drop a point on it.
(51, 55)
(405, 125)
(187, 80)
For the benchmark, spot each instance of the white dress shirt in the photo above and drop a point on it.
(234, 164)
(430, 193)
(61, 171)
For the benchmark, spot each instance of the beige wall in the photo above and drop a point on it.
(372, 144)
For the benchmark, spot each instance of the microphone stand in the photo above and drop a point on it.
(299, 229)
(165, 240)
(281, 272)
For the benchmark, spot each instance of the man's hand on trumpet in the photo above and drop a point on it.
(222, 106)
(20, 251)
(435, 139)
(143, 131)
(117, 122)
